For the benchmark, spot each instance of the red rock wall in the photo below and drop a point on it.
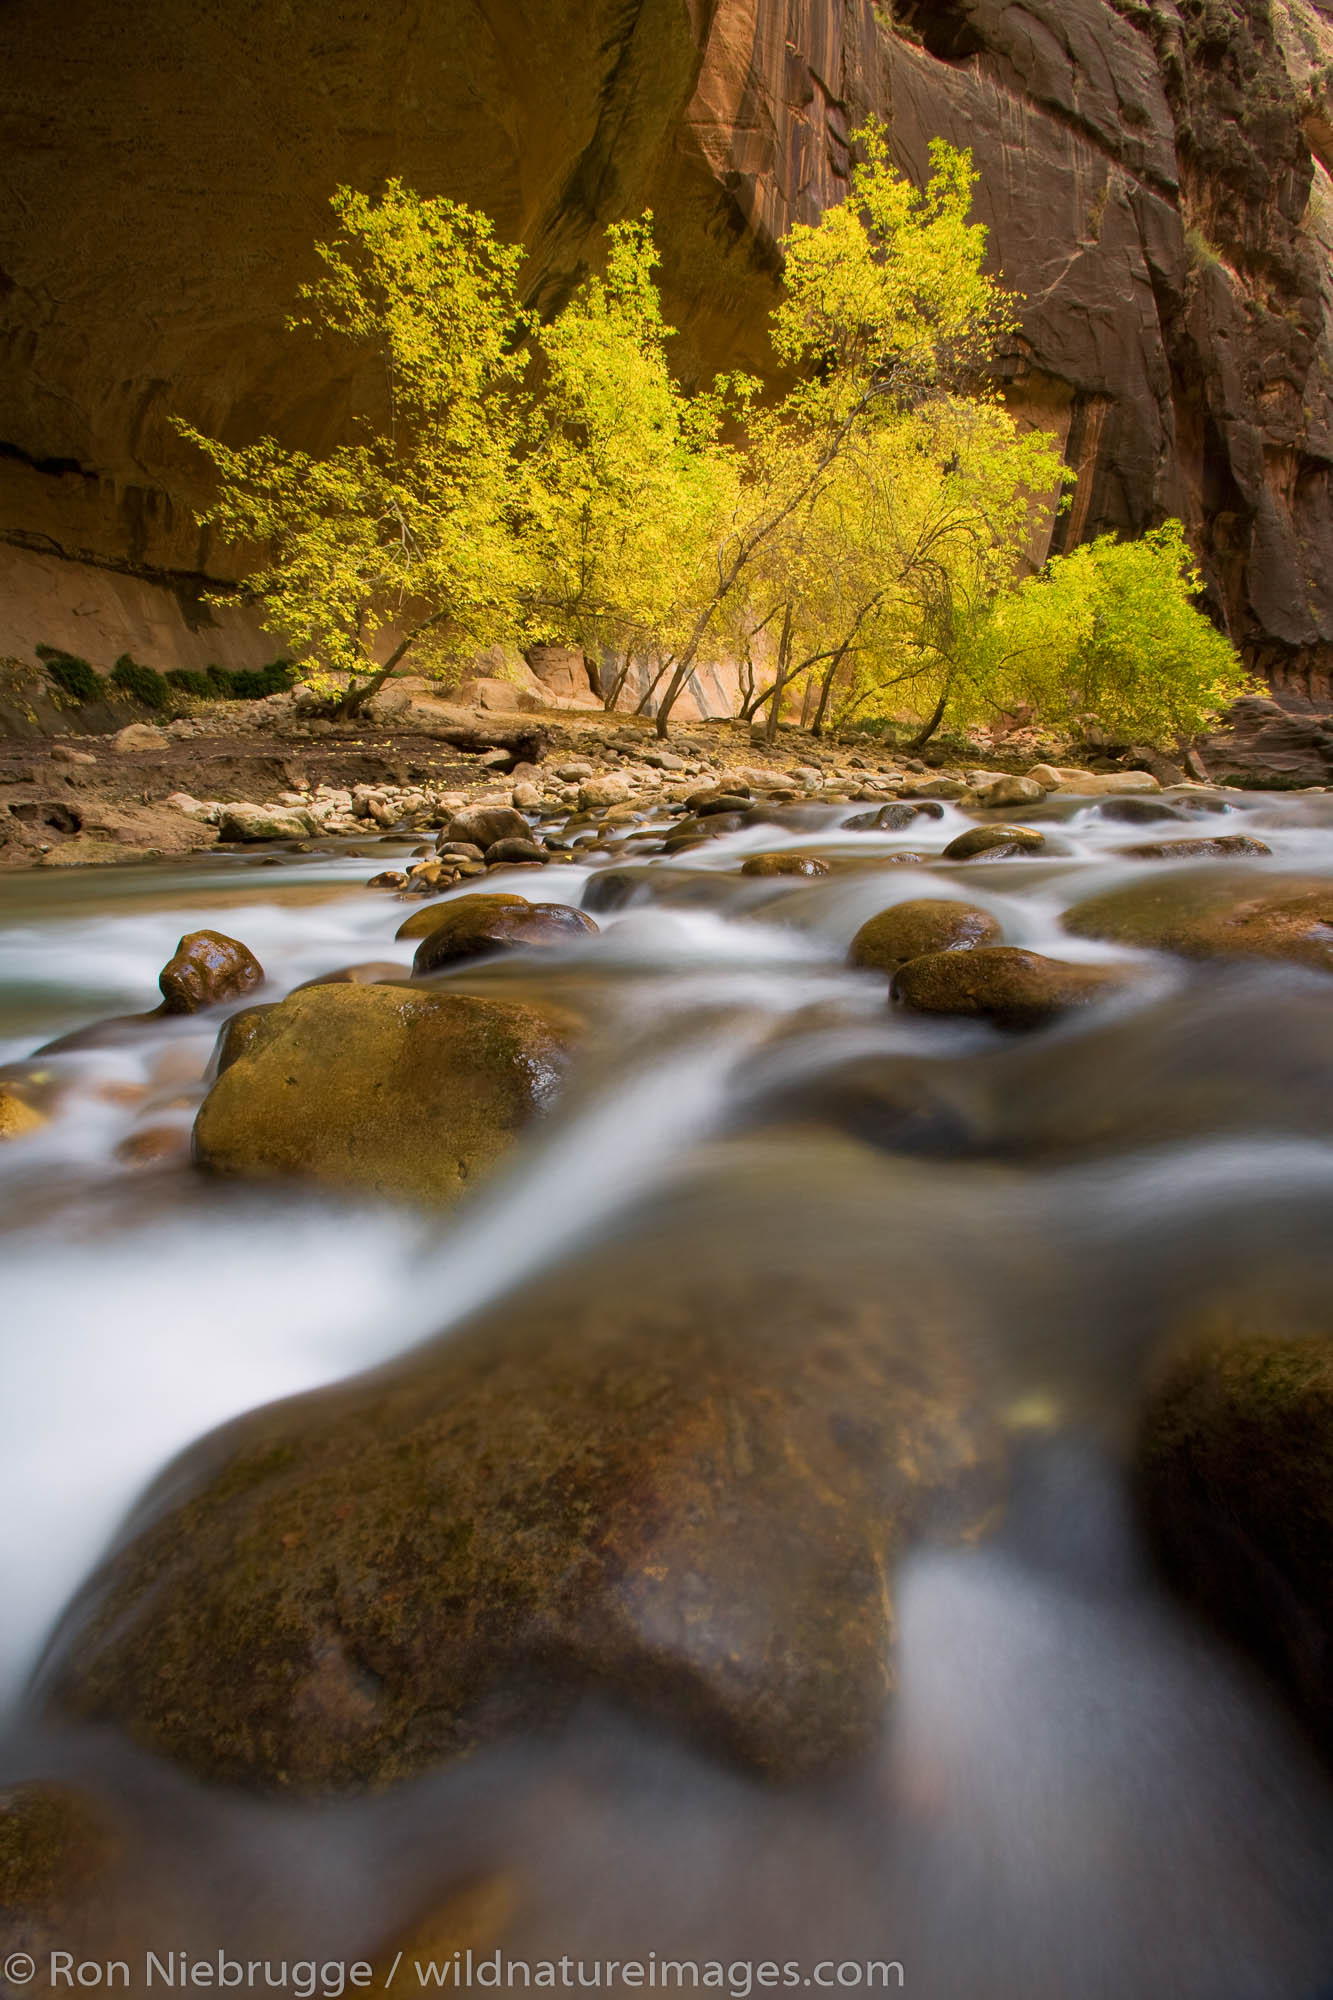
(1153, 175)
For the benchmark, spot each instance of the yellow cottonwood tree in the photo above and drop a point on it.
(401, 539)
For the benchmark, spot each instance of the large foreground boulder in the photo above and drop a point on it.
(1217, 913)
(657, 1475)
(380, 1088)
(1236, 1483)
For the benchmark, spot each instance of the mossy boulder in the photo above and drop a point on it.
(206, 969)
(1235, 1478)
(1003, 985)
(912, 929)
(1212, 913)
(380, 1088)
(482, 926)
(785, 864)
(656, 1475)
(57, 1850)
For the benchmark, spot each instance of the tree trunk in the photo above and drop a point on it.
(920, 740)
(817, 726)
(780, 683)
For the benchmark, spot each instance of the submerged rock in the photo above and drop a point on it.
(910, 930)
(983, 839)
(206, 969)
(1227, 844)
(367, 972)
(1003, 985)
(381, 1088)
(652, 1475)
(890, 818)
(1206, 913)
(480, 926)
(1235, 1475)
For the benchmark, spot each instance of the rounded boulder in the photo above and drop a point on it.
(480, 926)
(384, 1089)
(913, 929)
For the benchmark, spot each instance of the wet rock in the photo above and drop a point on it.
(913, 929)
(239, 1034)
(984, 839)
(653, 1475)
(381, 1088)
(388, 878)
(206, 969)
(483, 826)
(422, 922)
(1137, 812)
(1003, 985)
(1008, 791)
(1232, 844)
(1235, 1479)
(368, 972)
(480, 926)
(458, 850)
(504, 853)
(891, 818)
(1206, 913)
(784, 864)
(247, 822)
(17, 1116)
(705, 805)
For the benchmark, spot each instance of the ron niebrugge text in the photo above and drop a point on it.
(328, 1979)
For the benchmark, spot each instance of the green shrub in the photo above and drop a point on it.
(191, 683)
(71, 675)
(253, 684)
(246, 684)
(141, 682)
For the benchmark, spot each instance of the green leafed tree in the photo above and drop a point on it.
(402, 538)
(625, 483)
(1110, 634)
(885, 307)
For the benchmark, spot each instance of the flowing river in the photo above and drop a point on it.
(1079, 1790)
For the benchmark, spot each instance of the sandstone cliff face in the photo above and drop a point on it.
(1154, 176)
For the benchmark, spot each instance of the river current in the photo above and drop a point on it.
(1081, 1792)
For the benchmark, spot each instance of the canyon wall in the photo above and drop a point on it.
(1154, 176)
